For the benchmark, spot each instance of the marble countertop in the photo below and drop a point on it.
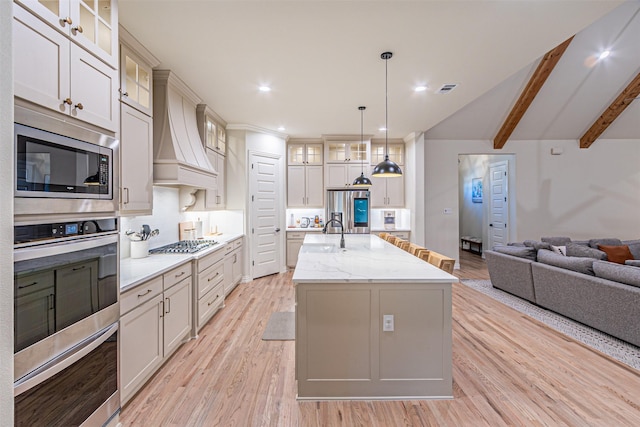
(304, 229)
(366, 258)
(134, 271)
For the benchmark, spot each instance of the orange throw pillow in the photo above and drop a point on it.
(618, 254)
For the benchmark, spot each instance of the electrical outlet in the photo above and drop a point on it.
(448, 211)
(387, 323)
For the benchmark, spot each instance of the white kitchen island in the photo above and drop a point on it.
(344, 296)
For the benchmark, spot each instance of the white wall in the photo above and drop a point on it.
(415, 185)
(6, 215)
(582, 193)
(471, 214)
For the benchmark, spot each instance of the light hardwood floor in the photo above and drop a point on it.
(508, 370)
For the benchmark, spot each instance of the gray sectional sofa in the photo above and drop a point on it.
(574, 279)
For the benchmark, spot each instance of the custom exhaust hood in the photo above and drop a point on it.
(179, 158)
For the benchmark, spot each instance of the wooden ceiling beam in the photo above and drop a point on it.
(616, 108)
(545, 67)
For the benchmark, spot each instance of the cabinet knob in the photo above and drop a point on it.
(79, 106)
(123, 93)
(66, 20)
(67, 101)
(77, 29)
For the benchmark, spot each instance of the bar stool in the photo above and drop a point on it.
(442, 262)
(402, 244)
(413, 248)
(423, 254)
(383, 235)
(391, 239)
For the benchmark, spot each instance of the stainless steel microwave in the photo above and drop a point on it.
(61, 167)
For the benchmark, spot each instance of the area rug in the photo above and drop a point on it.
(280, 327)
(611, 346)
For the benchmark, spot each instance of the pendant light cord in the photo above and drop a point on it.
(386, 109)
(361, 137)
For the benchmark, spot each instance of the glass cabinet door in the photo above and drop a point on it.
(358, 152)
(136, 87)
(314, 154)
(95, 27)
(337, 151)
(211, 135)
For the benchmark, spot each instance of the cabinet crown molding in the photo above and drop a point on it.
(132, 43)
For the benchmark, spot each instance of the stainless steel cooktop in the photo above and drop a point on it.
(184, 247)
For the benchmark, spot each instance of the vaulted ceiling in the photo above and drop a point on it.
(581, 93)
(322, 60)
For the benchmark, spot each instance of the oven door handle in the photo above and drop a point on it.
(40, 251)
(63, 361)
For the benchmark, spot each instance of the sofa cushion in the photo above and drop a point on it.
(581, 242)
(537, 245)
(618, 254)
(560, 250)
(618, 273)
(519, 251)
(608, 241)
(633, 262)
(579, 264)
(576, 249)
(556, 241)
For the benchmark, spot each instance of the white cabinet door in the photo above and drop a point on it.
(293, 247)
(140, 346)
(135, 81)
(94, 89)
(237, 266)
(378, 192)
(395, 191)
(314, 186)
(336, 175)
(296, 192)
(136, 161)
(177, 315)
(41, 62)
(95, 28)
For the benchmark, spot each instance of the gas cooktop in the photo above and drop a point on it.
(184, 247)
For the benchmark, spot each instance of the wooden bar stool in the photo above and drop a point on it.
(391, 239)
(402, 244)
(383, 235)
(413, 248)
(442, 262)
(423, 254)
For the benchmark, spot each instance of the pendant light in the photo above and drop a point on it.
(361, 181)
(386, 168)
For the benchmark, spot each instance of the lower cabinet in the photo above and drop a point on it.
(209, 289)
(155, 320)
(294, 243)
(232, 265)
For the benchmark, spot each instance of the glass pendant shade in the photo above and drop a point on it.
(362, 181)
(386, 168)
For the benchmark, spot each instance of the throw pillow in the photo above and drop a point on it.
(560, 250)
(581, 265)
(518, 251)
(610, 242)
(556, 241)
(574, 249)
(618, 254)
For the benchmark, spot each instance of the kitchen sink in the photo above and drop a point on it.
(324, 248)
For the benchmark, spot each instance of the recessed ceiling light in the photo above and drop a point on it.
(382, 129)
(604, 54)
(281, 128)
(421, 88)
(265, 89)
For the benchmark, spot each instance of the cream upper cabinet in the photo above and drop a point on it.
(304, 154)
(347, 151)
(92, 24)
(136, 161)
(387, 192)
(212, 132)
(135, 81)
(343, 175)
(215, 199)
(305, 187)
(396, 152)
(55, 73)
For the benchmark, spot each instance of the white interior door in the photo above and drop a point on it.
(499, 205)
(265, 215)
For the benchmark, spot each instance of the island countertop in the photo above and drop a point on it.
(366, 258)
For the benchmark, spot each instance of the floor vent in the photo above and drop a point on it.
(446, 88)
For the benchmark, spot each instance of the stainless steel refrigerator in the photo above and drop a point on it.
(351, 207)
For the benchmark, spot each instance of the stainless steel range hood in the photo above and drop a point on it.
(179, 158)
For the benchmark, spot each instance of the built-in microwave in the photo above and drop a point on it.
(61, 167)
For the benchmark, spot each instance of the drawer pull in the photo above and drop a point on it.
(211, 278)
(141, 295)
(211, 302)
(26, 286)
(178, 275)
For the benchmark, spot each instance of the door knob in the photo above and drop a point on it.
(277, 230)
(490, 225)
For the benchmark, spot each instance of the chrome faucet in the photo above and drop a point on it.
(324, 230)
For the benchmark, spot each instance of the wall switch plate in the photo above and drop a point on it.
(387, 323)
(448, 211)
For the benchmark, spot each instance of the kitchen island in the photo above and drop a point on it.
(372, 321)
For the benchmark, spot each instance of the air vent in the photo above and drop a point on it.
(446, 88)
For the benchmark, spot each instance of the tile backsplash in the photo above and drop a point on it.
(166, 216)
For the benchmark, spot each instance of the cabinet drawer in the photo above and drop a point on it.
(140, 294)
(177, 274)
(210, 278)
(295, 235)
(401, 234)
(209, 260)
(228, 248)
(209, 304)
(237, 243)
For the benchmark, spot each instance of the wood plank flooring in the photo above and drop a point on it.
(509, 370)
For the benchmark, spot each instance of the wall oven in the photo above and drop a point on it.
(66, 311)
(61, 167)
